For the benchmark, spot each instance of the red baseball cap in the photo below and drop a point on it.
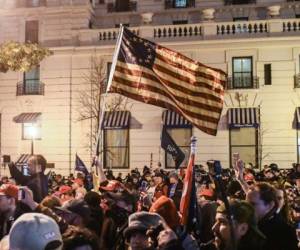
(64, 189)
(9, 190)
(207, 192)
(249, 177)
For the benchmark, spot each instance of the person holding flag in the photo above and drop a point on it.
(87, 180)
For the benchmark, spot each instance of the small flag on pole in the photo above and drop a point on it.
(188, 203)
(150, 73)
(80, 166)
(169, 145)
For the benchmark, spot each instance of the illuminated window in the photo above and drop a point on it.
(31, 131)
(245, 142)
(116, 148)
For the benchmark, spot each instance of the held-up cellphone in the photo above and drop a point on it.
(21, 193)
(235, 158)
(25, 170)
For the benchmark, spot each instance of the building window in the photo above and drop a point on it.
(116, 148)
(31, 83)
(245, 142)
(31, 131)
(32, 31)
(180, 3)
(242, 74)
(182, 137)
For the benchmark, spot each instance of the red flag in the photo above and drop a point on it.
(150, 73)
(186, 197)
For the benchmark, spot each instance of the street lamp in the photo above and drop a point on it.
(32, 131)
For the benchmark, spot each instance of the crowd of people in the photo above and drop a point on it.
(242, 208)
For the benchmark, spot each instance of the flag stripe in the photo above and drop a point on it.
(130, 70)
(213, 77)
(130, 86)
(144, 84)
(173, 78)
(180, 58)
(205, 126)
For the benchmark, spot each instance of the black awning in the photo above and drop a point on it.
(27, 117)
(116, 120)
(243, 117)
(172, 119)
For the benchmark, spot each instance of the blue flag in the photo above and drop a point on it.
(80, 166)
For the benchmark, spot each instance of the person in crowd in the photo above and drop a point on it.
(175, 188)
(166, 208)
(78, 187)
(148, 231)
(244, 235)
(283, 209)
(161, 188)
(78, 238)
(35, 231)
(93, 199)
(280, 235)
(65, 194)
(10, 207)
(35, 179)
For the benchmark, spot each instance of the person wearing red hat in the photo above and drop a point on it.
(10, 208)
(66, 194)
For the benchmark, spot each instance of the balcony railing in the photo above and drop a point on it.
(113, 7)
(244, 82)
(112, 34)
(288, 26)
(30, 87)
(203, 31)
(233, 28)
(177, 31)
(297, 81)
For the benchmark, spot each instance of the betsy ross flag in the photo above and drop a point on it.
(188, 203)
(80, 166)
(150, 73)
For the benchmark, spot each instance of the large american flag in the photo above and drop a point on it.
(153, 74)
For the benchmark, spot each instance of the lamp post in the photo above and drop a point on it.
(32, 132)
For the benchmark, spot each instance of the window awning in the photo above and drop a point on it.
(27, 117)
(172, 119)
(116, 120)
(22, 160)
(243, 117)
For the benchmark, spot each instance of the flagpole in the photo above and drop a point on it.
(112, 70)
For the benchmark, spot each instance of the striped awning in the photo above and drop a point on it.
(27, 117)
(172, 119)
(116, 120)
(243, 117)
(23, 159)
